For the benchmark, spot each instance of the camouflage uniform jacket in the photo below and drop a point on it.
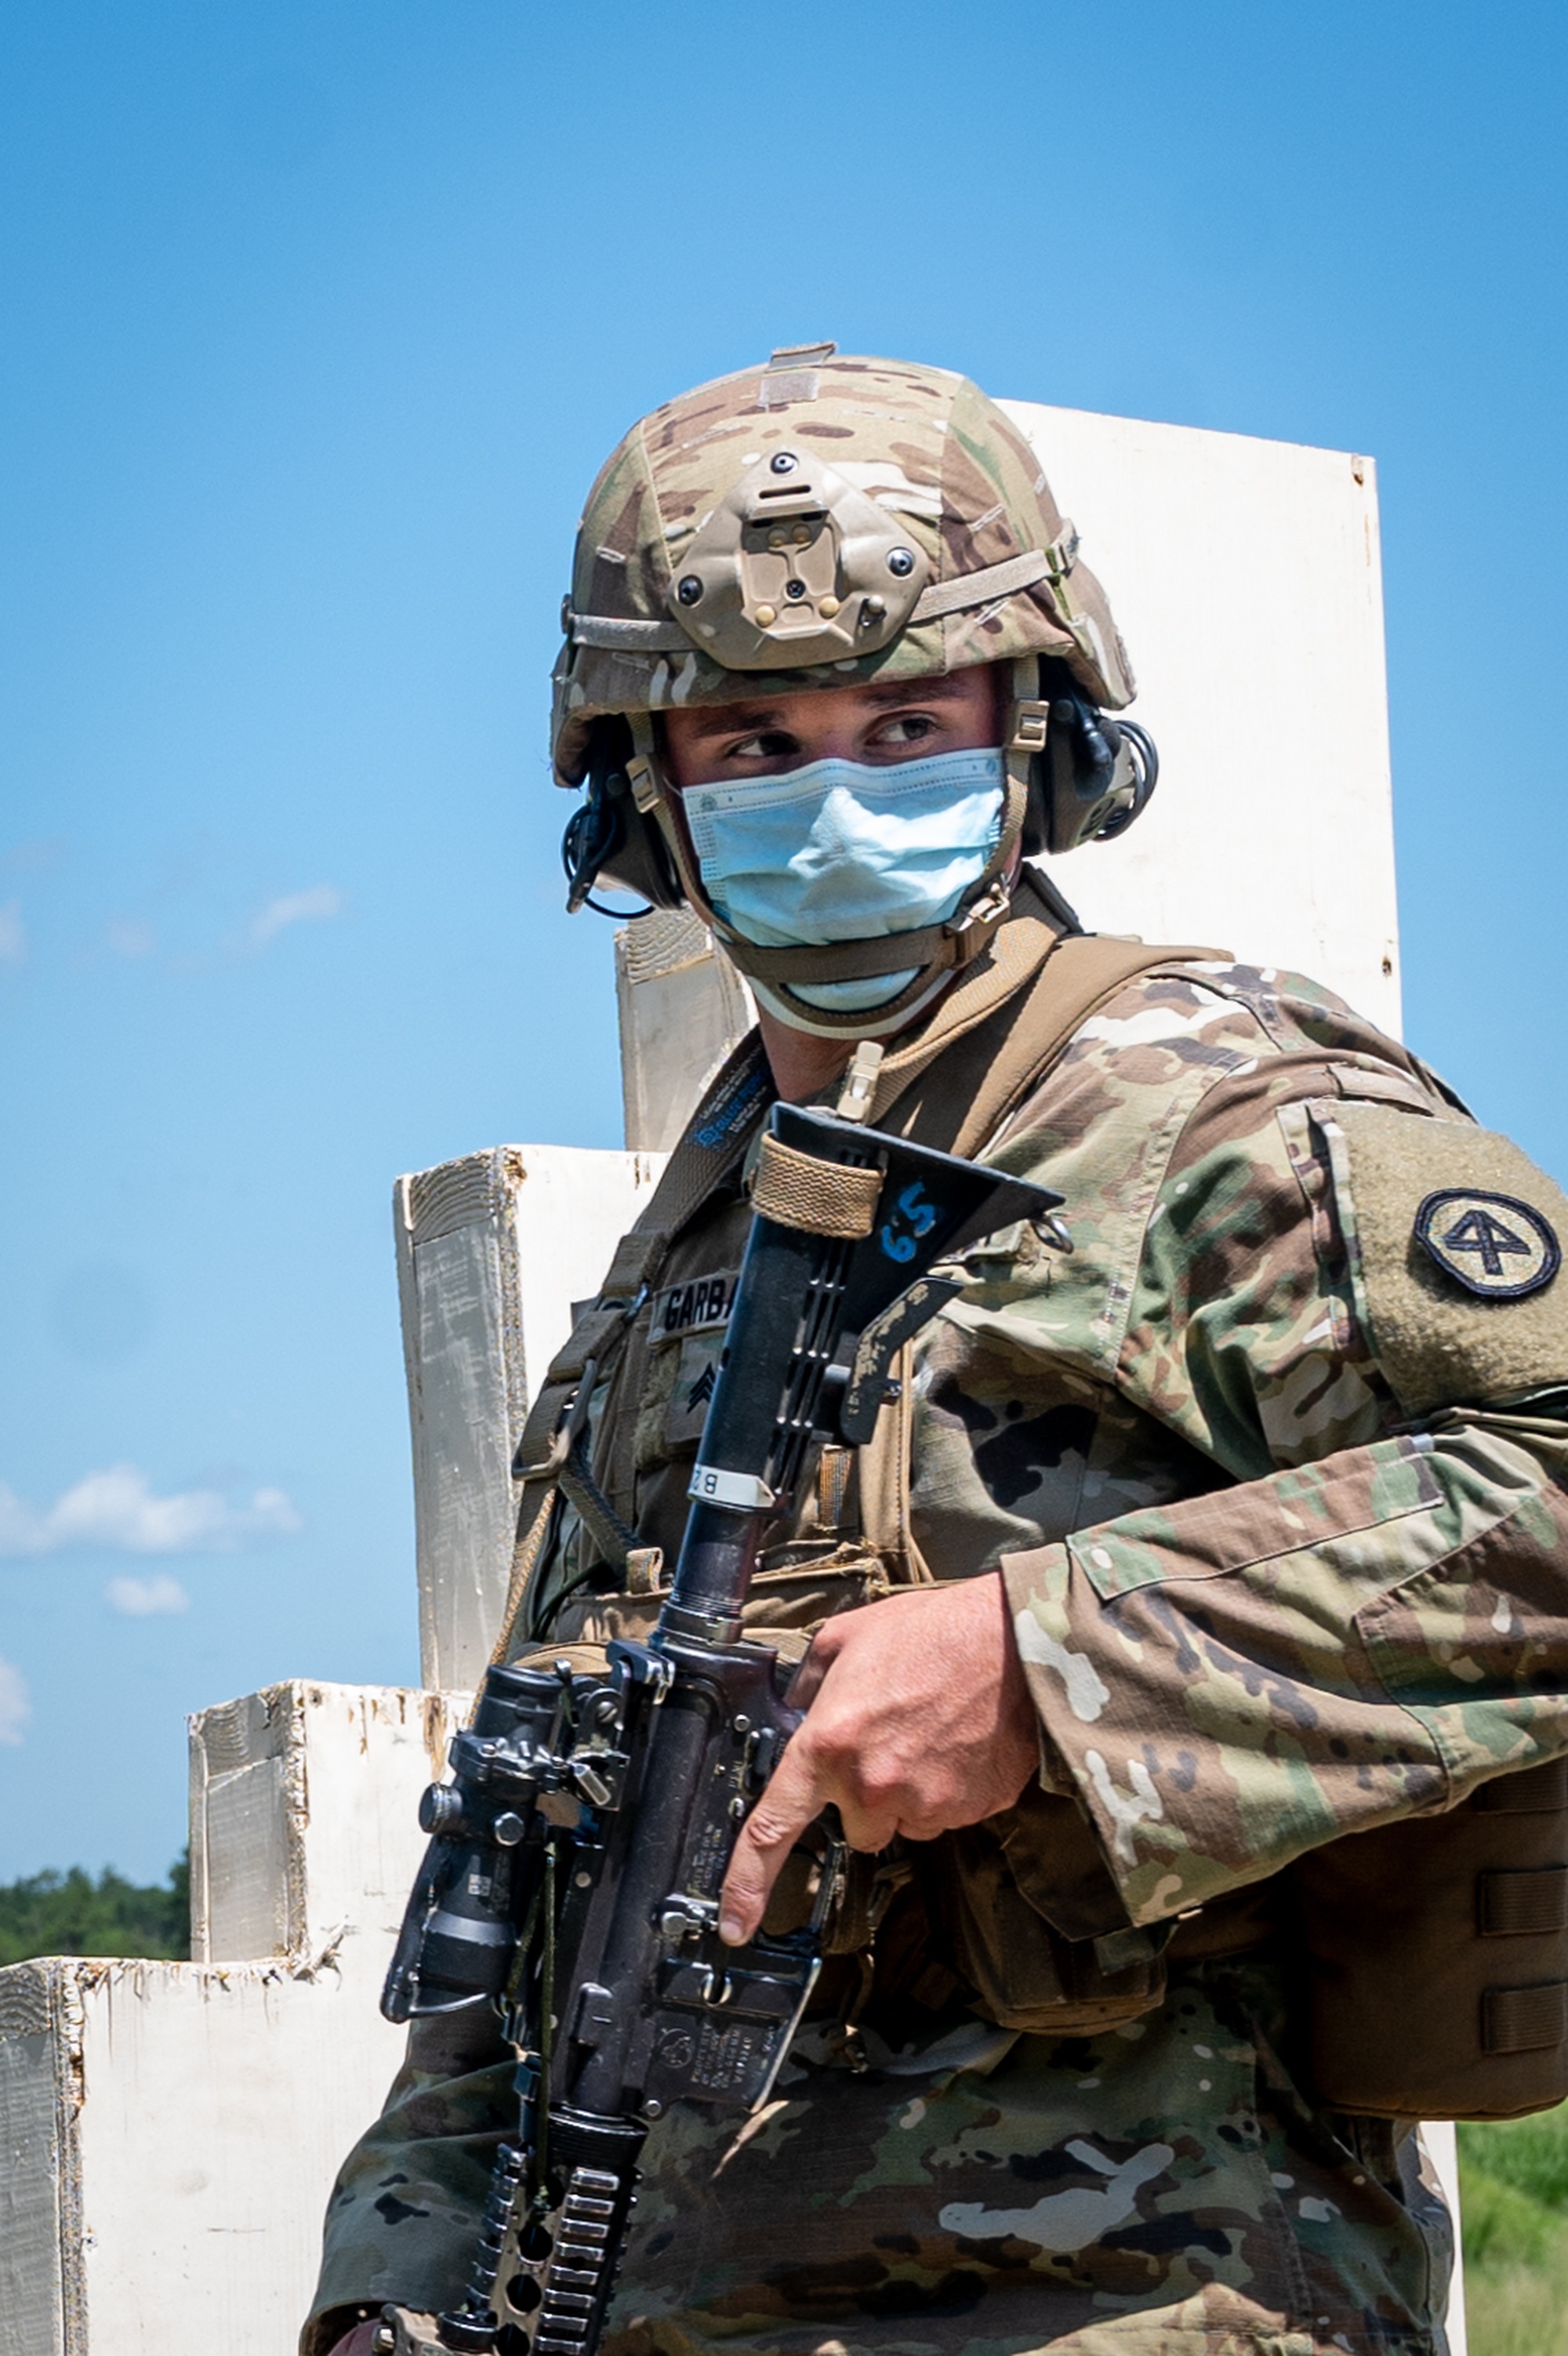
(1284, 1556)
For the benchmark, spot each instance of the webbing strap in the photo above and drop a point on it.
(715, 1141)
(923, 1095)
(632, 635)
(635, 1255)
(1524, 2019)
(587, 1340)
(851, 960)
(1012, 1017)
(617, 633)
(1086, 971)
(1532, 1791)
(824, 1198)
(616, 1539)
(1029, 936)
(988, 581)
(1522, 1905)
(532, 1528)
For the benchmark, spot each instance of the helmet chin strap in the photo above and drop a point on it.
(933, 952)
(870, 1023)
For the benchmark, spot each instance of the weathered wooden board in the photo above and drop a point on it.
(683, 1006)
(493, 1250)
(169, 2132)
(1246, 577)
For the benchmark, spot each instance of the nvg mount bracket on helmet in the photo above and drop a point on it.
(795, 566)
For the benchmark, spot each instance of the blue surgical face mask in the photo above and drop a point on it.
(841, 851)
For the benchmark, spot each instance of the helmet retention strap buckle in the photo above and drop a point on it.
(643, 771)
(647, 788)
(1031, 720)
(971, 932)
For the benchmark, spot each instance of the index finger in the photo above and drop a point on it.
(792, 1798)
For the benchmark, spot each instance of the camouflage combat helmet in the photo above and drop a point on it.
(818, 521)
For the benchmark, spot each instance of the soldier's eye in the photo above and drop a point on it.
(906, 728)
(767, 744)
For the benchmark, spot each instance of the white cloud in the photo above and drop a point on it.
(116, 1511)
(293, 909)
(15, 1708)
(140, 1598)
(12, 934)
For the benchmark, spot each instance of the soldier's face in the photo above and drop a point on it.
(879, 722)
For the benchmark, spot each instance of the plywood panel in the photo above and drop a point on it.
(37, 2167)
(1246, 578)
(493, 1249)
(681, 1006)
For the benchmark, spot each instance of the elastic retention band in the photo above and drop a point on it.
(825, 1198)
(1529, 1790)
(1523, 1905)
(626, 635)
(1524, 2019)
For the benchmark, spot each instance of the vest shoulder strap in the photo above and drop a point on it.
(961, 1099)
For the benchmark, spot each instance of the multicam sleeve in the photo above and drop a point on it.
(1372, 1618)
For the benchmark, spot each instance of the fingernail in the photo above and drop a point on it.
(730, 1931)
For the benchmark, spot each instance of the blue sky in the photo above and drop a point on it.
(317, 323)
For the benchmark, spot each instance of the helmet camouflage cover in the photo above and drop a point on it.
(821, 519)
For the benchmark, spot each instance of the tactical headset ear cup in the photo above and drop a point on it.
(640, 861)
(1137, 775)
(608, 840)
(1095, 774)
(1034, 836)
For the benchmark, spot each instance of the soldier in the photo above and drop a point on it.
(1202, 1585)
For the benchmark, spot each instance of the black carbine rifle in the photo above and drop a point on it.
(576, 1856)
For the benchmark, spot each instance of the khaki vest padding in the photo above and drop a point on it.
(1439, 1951)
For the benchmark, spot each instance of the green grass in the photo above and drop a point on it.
(1514, 2197)
(71, 1914)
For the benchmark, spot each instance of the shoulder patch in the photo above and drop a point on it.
(1494, 1245)
(1453, 1237)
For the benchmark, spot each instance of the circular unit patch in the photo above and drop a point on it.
(1494, 1245)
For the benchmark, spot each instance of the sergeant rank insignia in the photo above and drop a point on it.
(1494, 1245)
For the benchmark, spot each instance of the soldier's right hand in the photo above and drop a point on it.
(918, 1720)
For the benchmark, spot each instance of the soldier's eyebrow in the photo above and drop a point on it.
(744, 719)
(943, 689)
(734, 719)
